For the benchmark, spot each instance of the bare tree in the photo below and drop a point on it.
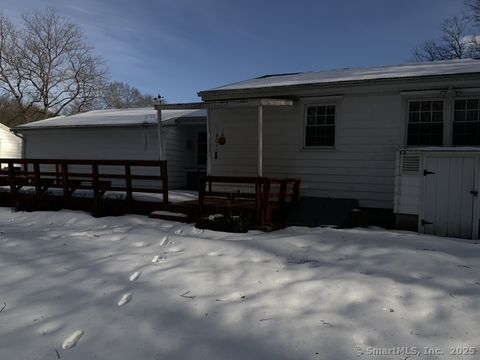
(47, 66)
(473, 7)
(118, 95)
(456, 41)
(11, 61)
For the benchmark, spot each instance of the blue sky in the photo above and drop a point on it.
(179, 47)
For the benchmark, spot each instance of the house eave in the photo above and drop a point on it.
(279, 90)
(244, 102)
(99, 126)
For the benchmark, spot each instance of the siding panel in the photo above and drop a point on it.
(10, 145)
(362, 165)
(111, 143)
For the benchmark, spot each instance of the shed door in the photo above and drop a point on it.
(448, 206)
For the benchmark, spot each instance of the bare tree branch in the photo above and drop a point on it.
(48, 64)
(457, 41)
(48, 69)
(118, 94)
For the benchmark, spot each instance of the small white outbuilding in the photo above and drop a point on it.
(10, 144)
(130, 134)
(436, 188)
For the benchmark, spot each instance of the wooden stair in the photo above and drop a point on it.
(185, 213)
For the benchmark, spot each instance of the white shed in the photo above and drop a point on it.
(436, 190)
(129, 134)
(10, 144)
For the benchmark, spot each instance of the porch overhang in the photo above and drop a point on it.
(226, 103)
(258, 103)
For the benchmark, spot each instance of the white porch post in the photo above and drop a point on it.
(260, 140)
(209, 149)
(159, 134)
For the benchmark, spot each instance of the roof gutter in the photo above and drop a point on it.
(103, 126)
(217, 94)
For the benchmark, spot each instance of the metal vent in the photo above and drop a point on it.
(411, 164)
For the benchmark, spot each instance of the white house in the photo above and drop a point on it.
(124, 134)
(10, 145)
(346, 133)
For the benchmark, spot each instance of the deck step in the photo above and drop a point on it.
(171, 216)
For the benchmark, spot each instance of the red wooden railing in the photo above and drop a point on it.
(97, 175)
(268, 196)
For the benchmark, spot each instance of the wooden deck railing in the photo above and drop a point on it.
(266, 194)
(96, 175)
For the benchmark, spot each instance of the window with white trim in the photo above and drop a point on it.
(425, 123)
(466, 122)
(320, 126)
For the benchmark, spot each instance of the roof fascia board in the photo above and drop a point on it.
(34, 128)
(229, 103)
(181, 106)
(209, 95)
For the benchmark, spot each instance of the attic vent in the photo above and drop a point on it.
(410, 164)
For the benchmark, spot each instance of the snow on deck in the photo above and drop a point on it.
(77, 287)
(435, 68)
(174, 196)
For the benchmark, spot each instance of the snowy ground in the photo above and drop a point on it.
(77, 287)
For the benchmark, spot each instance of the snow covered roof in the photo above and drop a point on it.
(115, 117)
(436, 68)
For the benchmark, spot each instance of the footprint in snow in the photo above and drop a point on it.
(140, 244)
(164, 241)
(175, 249)
(197, 231)
(72, 340)
(126, 298)
(214, 253)
(178, 232)
(135, 275)
(156, 259)
(233, 297)
(302, 246)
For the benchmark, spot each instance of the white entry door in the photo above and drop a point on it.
(449, 193)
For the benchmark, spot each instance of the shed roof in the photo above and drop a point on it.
(413, 70)
(116, 118)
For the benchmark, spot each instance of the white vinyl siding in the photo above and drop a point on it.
(10, 145)
(113, 143)
(362, 165)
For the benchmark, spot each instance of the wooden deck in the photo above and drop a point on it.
(269, 199)
(56, 183)
(68, 176)
(266, 200)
